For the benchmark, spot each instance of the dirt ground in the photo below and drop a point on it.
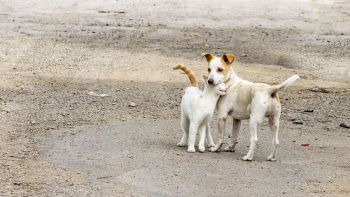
(60, 135)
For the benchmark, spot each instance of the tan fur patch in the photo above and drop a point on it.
(228, 58)
(189, 73)
(208, 56)
(225, 67)
(277, 98)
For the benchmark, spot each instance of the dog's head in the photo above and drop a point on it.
(220, 88)
(218, 68)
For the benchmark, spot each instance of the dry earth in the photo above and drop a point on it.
(56, 139)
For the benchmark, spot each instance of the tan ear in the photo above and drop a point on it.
(228, 58)
(208, 56)
(205, 78)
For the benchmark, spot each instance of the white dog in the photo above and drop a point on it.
(197, 108)
(245, 100)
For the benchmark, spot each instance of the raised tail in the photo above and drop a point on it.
(284, 85)
(189, 73)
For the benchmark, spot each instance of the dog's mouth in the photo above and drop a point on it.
(223, 90)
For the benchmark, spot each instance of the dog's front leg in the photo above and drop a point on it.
(192, 137)
(209, 137)
(234, 137)
(221, 132)
(202, 129)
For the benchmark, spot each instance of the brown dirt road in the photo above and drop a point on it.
(56, 139)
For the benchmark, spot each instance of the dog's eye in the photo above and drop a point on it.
(220, 69)
(209, 69)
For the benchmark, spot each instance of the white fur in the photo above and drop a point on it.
(246, 100)
(197, 108)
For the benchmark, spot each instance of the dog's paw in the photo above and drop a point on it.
(229, 149)
(211, 145)
(271, 158)
(246, 158)
(201, 149)
(181, 144)
(191, 150)
(214, 149)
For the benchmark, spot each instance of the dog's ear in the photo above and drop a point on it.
(205, 78)
(228, 58)
(208, 56)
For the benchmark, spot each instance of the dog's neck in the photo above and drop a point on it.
(231, 78)
(210, 93)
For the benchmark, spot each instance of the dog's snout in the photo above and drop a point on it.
(210, 81)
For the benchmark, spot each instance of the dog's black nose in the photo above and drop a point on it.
(210, 81)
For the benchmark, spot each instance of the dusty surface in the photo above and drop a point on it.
(56, 139)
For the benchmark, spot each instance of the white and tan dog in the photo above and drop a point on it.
(197, 108)
(244, 100)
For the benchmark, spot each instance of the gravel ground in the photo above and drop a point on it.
(70, 69)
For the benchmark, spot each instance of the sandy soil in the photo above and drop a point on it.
(59, 139)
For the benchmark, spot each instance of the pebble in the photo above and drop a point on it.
(100, 95)
(344, 126)
(132, 104)
(298, 122)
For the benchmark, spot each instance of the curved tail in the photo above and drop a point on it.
(284, 85)
(189, 73)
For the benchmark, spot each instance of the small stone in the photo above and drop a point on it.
(132, 104)
(298, 122)
(344, 126)
(103, 95)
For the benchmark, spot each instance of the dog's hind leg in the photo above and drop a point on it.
(274, 125)
(185, 124)
(234, 137)
(208, 135)
(253, 138)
